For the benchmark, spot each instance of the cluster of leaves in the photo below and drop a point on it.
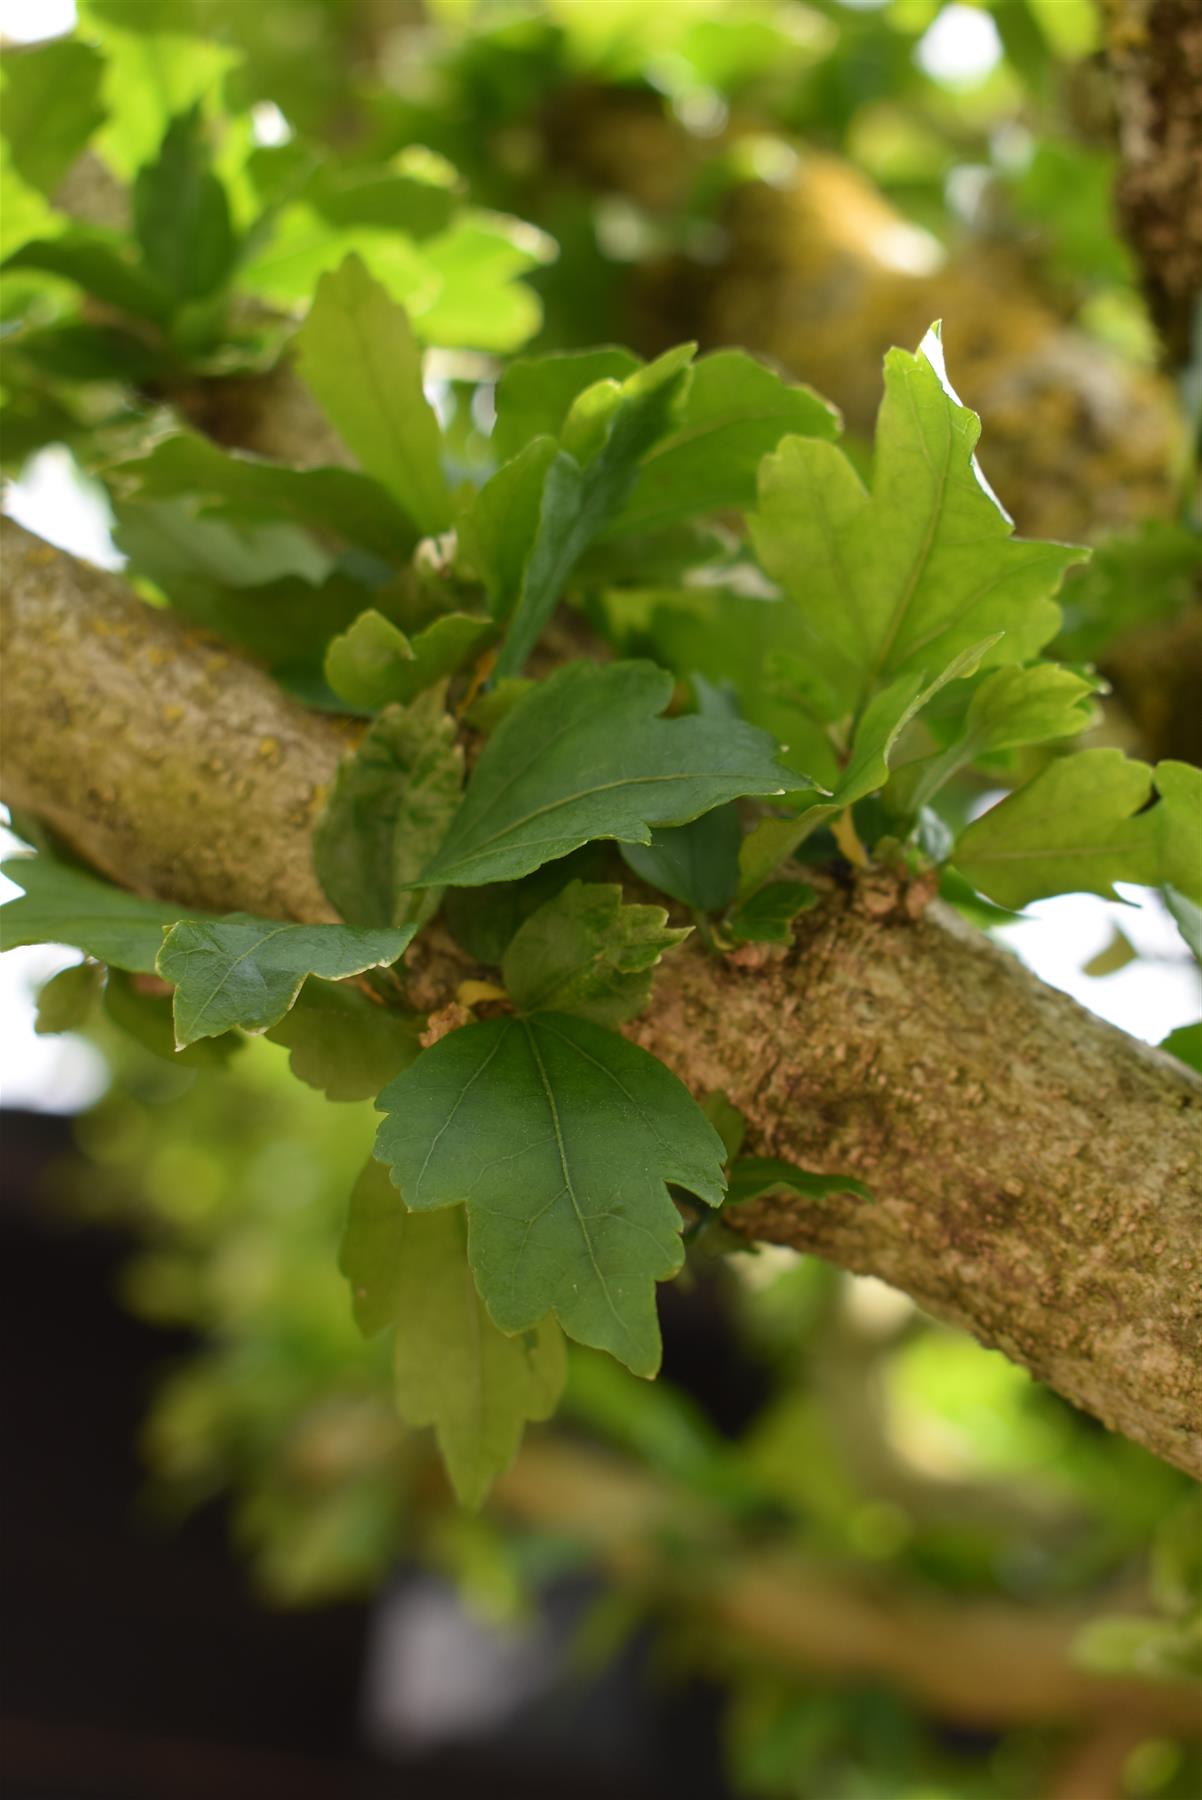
(888, 634)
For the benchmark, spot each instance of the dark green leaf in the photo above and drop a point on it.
(390, 806)
(584, 952)
(735, 412)
(560, 1139)
(608, 430)
(698, 863)
(499, 524)
(584, 756)
(146, 1017)
(62, 905)
(339, 503)
(181, 214)
(243, 971)
(344, 1043)
(752, 1176)
(767, 917)
(100, 263)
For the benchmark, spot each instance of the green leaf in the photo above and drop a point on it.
(908, 575)
(243, 971)
(147, 1019)
(50, 107)
(698, 863)
(357, 352)
(474, 300)
(767, 917)
(535, 393)
(340, 503)
(167, 541)
(736, 411)
(62, 905)
(560, 1139)
(583, 756)
(584, 952)
(1187, 915)
(454, 1369)
(753, 1176)
(391, 803)
(1009, 708)
(373, 662)
(498, 527)
(181, 214)
(344, 1043)
(1186, 1045)
(726, 1120)
(886, 716)
(100, 263)
(67, 999)
(1084, 823)
(608, 429)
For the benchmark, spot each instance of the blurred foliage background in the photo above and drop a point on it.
(841, 1512)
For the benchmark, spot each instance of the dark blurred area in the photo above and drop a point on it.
(136, 1665)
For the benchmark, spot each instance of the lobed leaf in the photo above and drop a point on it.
(247, 972)
(583, 755)
(584, 952)
(560, 1139)
(454, 1369)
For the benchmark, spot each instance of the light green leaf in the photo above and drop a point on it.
(340, 503)
(181, 214)
(735, 412)
(475, 301)
(607, 431)
(753, 1176)
(1081, 825)
(583, 756)
(168, 541)
(373, 662)
(535, 393)
(885, 718)
(62, 905)
(391, 803)
(67, 999)
(698, 863)
(909, 575)
(767, 916)
(344, 1043)
(454, 1369)
(560, 1139)
(584, 952)
(771, 842)
(243, 971)
(50, 107)
(1009, 708)
(498, 527)
(357, 352)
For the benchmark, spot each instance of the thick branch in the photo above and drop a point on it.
(1036, 1170)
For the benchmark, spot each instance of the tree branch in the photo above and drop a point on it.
(1035, 1169)
(982, 1662)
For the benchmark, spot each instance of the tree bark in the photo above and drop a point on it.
(1035, 1169)
(1154, 48)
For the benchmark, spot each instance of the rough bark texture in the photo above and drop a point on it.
(1036, 1170)
(981, 1662)
(1155, 53)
